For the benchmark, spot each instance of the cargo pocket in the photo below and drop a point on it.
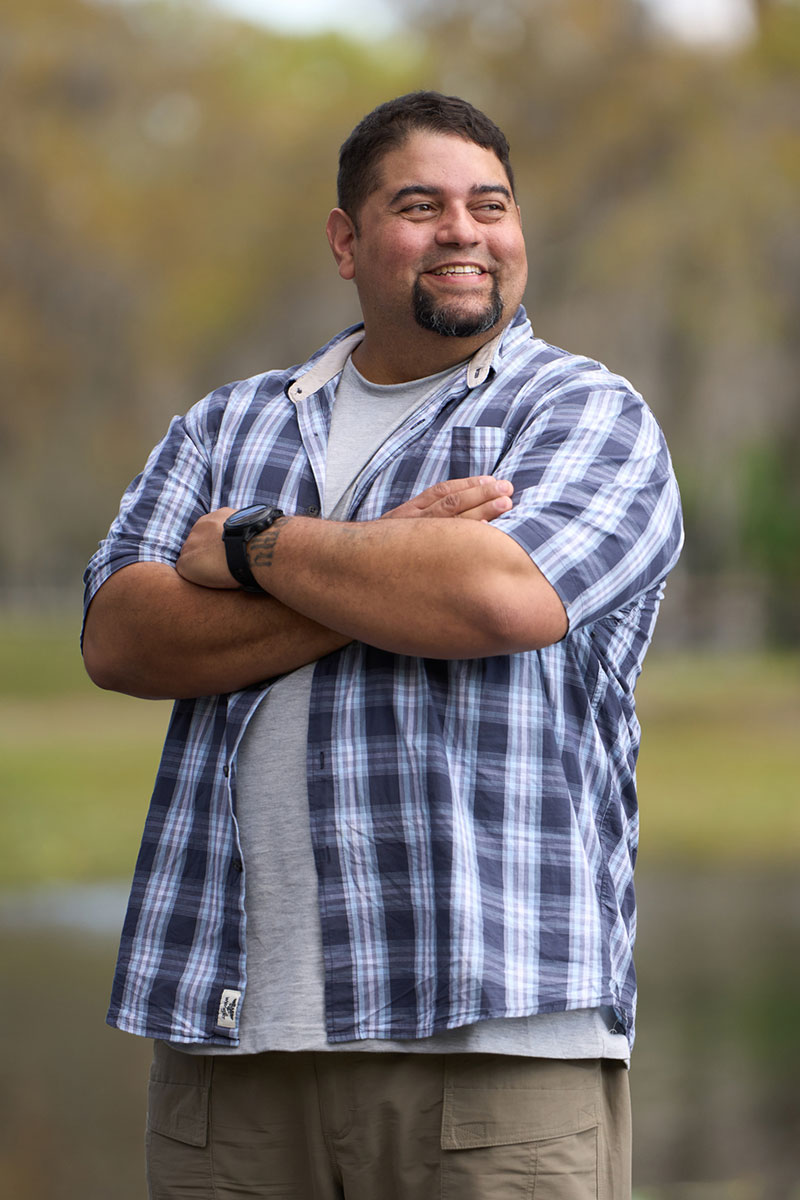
(177, 1095)
(176, 1146)
(520, 1129)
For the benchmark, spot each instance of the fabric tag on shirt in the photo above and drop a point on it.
(228, 1007)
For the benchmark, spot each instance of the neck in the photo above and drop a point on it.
(430, 353)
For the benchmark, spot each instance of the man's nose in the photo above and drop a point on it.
(456, 228)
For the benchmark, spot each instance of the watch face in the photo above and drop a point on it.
(246, 516)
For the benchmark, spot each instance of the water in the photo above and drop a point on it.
(715, 1088)
(715, 1069)
(73, 1089)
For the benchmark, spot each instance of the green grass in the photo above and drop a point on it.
(76, 764)
(719, 770)
(719, 774)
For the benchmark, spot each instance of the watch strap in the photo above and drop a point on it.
(235, 540)
(239, 567)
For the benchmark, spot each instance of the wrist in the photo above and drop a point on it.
(239, 531)
(260, 548)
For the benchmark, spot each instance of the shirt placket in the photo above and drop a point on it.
(342, 960)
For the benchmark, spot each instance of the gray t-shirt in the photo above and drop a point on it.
(283, 1004)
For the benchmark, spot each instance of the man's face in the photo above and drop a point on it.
(439, 244)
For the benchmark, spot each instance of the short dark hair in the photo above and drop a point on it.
(387, 127)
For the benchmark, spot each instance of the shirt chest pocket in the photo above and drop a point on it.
(466, 450)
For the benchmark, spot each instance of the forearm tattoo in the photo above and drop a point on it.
(261, 548)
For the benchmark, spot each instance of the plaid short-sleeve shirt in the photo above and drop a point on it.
(474, 822)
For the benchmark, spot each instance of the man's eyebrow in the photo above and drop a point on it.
(422, 189)
(414, 189)
(484, 189)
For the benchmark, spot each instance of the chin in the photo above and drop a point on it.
(451, 320)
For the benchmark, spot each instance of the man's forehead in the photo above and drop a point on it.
(422, 161)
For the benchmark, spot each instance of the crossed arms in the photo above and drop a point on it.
(416, 581)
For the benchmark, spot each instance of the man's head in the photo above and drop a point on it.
(429, 230)
(389, 125)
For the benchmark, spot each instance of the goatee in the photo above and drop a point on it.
(450, 321)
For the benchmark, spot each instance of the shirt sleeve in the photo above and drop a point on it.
(159, 507)
(596, 503)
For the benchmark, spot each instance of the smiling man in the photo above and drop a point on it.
(382, 921)
(437, 246)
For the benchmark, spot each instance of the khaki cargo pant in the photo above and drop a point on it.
(361, 1126)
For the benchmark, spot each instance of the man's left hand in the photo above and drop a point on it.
(202, 559)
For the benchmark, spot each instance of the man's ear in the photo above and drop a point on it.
(341, 237)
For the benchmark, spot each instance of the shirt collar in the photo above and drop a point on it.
(331, 362)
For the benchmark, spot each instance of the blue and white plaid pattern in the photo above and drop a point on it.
(474, 822)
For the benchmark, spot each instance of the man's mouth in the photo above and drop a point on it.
(456, 269)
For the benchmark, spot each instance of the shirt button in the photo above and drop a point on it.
(312, 511)
(226, 770)
(238, 865)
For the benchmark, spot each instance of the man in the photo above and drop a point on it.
(382, 918)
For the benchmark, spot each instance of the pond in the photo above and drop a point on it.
(715, 1068)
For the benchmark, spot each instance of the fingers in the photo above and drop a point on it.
(480, 497)
(454, 496)
(202, 559)
(488, 510)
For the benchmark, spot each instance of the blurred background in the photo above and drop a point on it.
(165, 173)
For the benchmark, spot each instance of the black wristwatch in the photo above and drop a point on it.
(236, 533)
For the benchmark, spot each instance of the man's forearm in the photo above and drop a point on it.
(162, 633)
(150, 633)
(437, 588)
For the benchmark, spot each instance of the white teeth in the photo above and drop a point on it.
(458, 271)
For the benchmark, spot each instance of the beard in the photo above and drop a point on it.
(449, 321)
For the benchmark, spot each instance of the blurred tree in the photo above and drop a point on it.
(165, 175)
(770, 530)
